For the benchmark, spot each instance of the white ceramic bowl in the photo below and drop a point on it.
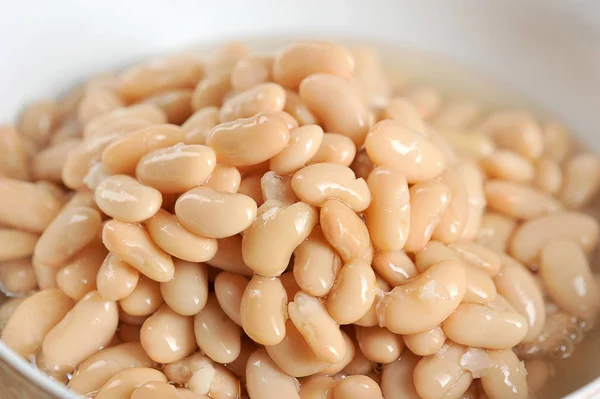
(547, 51)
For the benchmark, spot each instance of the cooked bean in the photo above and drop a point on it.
(251, 187)
(357, 387)
(17, 277)
(478, 256)
(397, 378)
(426, 301)
(199, 125)
(265, 97)
(506, 378)
(454, 219)
(116, 279)
(163, 390)
(548, 175)
(353, 292)
(557, 141)
(38, 120)
(168, 336)
(123, 384)
(404, 112)
(269, 242)
(581, 180)
(187, 291)
(176, 104)
(538, 372)
(224, 178)
(507, 165)
(473, 179)
(229, 256)
(145, 298)
(78, 276)
(229, 289)
(336, 368)
(335, 148)
(265, 380)
(317, 387)
(426, 100)
(216, 334)
(396, 268)
(470, 144)
(359, 365)
(126, 200)
(495, 231)
(276, 187)
(457, 115)
(515, 131)
(425, 343)
(251, 71)
(345, 231)
(302, 147)
(13, 158)
(15, 244)
(48, 163)
(296, 108)
(519, 201)
(379, 344)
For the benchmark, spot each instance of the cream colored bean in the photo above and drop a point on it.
(141, 112)
(211, 91)
(249, 141)
(548, 175)
(359, 365)
(433, 253)
(496, 231)
(186, 293)
(371, 318)
(298, 110)
(473, 179)
(519, 201)
(269, 242)
(176, 169)
(265, 97)
(145, 299)
(458, 115)
(335, 369)
(519, 287)
(224, 178)
(45, 275)
(318, 328)
(13, 158)
(533, 235)
(346, 115)
(345, 231)
(68, 234)
(216, 334)
(557, 142)
(507, 165)
(426, 301)
(229, 256)
(334, 148)
(573, 288)
(26, 206)
(133, 244)
(116, 279)
(33, 319)
(302, 147)
(480, 326)
(426, 100)
(238, 366)
(229, 290)
(425, 343)
(167, 336)
(478, 256)
(293, 355)
(69, 129)
(429, 201)
(17, 277)
(95, 318)
(581, 181)
(397, 378)
(96, 370)
(125, 317)
(343, 303)
(388, 215)
(251, 71)
(317, 183)
(538, 372)
(470, 144)
(454, 219)
(442, 374)
(251, 186)
(369, 76)
(279, 188)
(302, 59)
(176, 104)
(379, 344)
(515, 131)
(48, 163)
(405, 113)
(38, 120)
(506, 379)
(317, 387)
(126, 200)
(263, 310)
(78, 276)
(396, 268)
(15, 244)
(357, 387)
(199, 125)
(265, 380)
(166, 231)
(213, 214)
(97, 101)
(163, 390)
(316, 264)
(123, 384)
(480, 286)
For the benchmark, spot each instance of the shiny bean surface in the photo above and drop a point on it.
(167, 336)
(186, 293)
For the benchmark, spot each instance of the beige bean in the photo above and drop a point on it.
(95, 317)
(26, 206)
(405, 113)
(484, 327)
(140, 112)
(397, 378)
(426, 100)
(17, 277)
(317, 387)
(78, 276)
(495, 231)
(15, 244)
(473, 179)
(425, 343)
(265, 97)
(557, 141)
(229, 256)
(507, 165)
(213, 214)
(506, 378)
(345, 115)
(345, 231)
(249, 141)
(186, 293)
(251, 71)
(480, 286)
(116, 279)
(38, 120)
(211, 91)
(442, 374)
(302, 59)
(518, 286)
(458, 115)
(316, 264)
(478, 256)
(251, 186)
(125, 199)
(369, 76)
(573, 288)
(379, 344)
(48, 163)
(429, 201)
(163, 390)
(396, 268)
(263, 310)
(167, 336)
(359, 365)
(470, 144)
(229, 290)
(515, 131)
(159, 75)
(426, 301)
(224, 178)
(371, 318)
(303, 145)
(125, 317)
(238, 366)
(269, 242)
(45, 275)
(533, 235)
(335, 369)
(217, 335)
(454, 219)
(519, 201)
(145, 299)
(357, 387)
(31, 321)
(96, 370)
(199, 125)
(97, 101)
(298, 110)
(13, 157)
(548, 175)
(343, 303)
(293, 355)
(265, 380)
(176, 104)
(276, 187)
(334, 148)
(68, 129)
(123, 384)
(581, 180)
(433, 253)
(166, 231)
(538, 372)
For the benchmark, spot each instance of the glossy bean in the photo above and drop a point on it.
(186, 293)
(167, 336)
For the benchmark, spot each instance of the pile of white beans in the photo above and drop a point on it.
(298, 225)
